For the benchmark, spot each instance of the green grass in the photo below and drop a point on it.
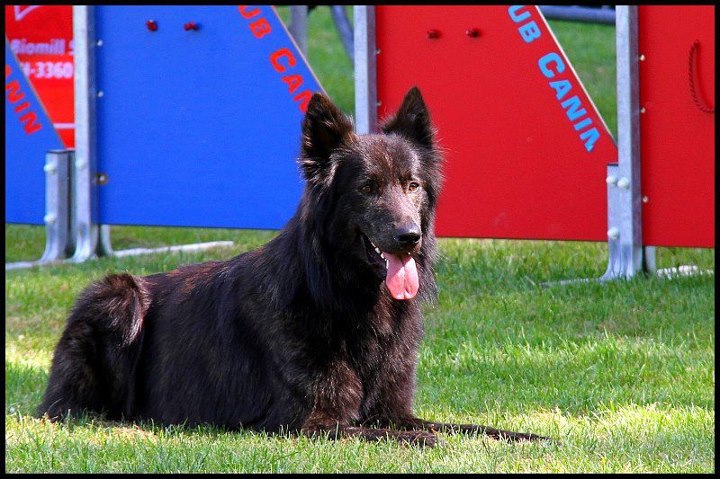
(622, 373)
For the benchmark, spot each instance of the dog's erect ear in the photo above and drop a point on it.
(412, 120)
(323, 129)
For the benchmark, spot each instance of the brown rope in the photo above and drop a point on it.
(692, 74)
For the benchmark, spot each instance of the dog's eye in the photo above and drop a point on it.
(367, 188)
(413, 186)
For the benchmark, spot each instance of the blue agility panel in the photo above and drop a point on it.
(199, 114)
(29, 135)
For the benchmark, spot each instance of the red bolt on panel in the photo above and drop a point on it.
(472, 32)
(151, 25)
(433, 34)
(191, 26)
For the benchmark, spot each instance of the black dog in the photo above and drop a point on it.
(317, 331)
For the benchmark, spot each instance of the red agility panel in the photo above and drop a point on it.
(677, 127)
(41, 36)
(526, 150)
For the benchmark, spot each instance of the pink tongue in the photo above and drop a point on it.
(402, 276)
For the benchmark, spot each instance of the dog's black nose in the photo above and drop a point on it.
(408, 235)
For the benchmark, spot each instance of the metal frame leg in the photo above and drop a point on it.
(104, 246)
(618, 258)
(84, 188)
(298, 26)
(344, 28)
(625, 250)
(58, 242)
(623, 179)
(365, 70)
(57, 205)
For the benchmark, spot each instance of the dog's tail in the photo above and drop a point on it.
(93, 368)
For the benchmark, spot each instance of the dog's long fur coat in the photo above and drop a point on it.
(316, 332)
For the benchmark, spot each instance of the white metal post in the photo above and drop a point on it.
(624, 195)
(84, 189)
(365, 70)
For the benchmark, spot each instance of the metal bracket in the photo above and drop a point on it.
(626, 258)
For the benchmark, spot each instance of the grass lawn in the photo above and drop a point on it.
(623, 373)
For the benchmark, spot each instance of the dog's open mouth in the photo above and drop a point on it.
(400, 270)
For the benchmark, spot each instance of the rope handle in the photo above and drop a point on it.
(699, 102)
